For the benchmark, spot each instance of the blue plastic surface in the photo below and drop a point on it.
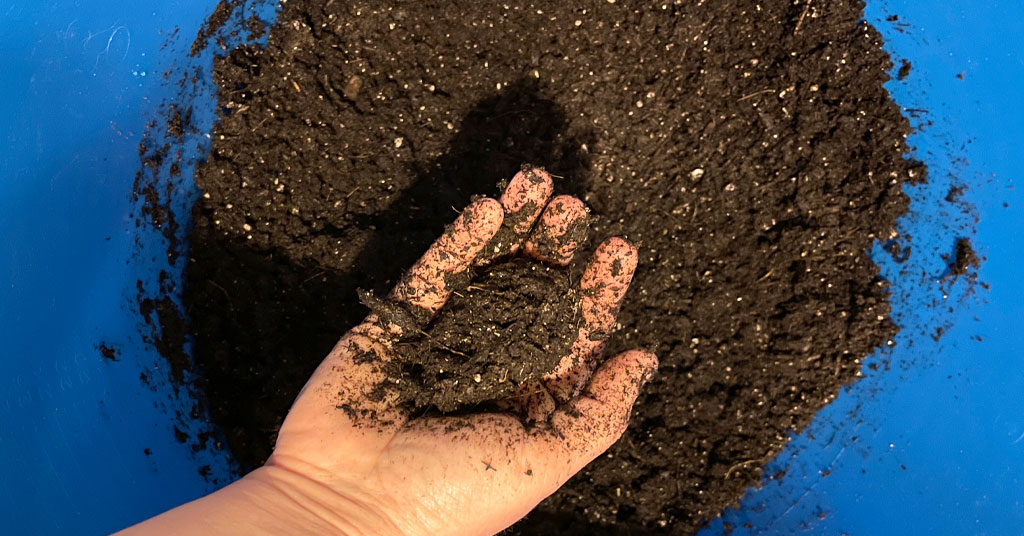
(79, 80)
(933, 446)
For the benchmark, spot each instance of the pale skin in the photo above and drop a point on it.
(371, 469)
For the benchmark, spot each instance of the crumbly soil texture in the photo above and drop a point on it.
(748, 148)
(509, 326)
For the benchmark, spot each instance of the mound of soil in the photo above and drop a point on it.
(748, 147)
(509, 326)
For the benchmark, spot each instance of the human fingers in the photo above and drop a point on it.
(523, 200)
(595, 419)
(352, 378)
(561, 229)
(602, 288)
(426, 287)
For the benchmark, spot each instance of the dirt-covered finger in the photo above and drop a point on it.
(591, 422)
(602, 288)
(561, 229)
(427, 286)
(523, 200)
(604, 284)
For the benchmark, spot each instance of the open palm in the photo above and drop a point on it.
(478, 473)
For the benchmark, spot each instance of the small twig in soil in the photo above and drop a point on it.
(739, 465)
(226, 295)
(800, 22)
(258, 125)
(632, 448)
(454, 351)
(312, 277)
(754, 94)
(508, 113)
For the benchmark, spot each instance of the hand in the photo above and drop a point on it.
(348, 459)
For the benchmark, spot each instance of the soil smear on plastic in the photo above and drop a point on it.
(748, 148)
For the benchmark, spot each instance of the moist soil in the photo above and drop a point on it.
(964, 257)
(748, 148)
(508, 327)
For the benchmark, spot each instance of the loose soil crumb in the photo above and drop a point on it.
(508, 327)
(904, 71)
(964, 257)
(168, 332)
(108, 351)
(748, 147)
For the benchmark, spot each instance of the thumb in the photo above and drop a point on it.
(595, 419)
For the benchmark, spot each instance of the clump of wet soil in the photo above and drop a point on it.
(964, 257)
(509, 326)
(748, 147)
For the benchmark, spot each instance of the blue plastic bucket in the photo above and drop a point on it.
(933, 445)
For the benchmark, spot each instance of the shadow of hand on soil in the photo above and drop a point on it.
(262, 323)
(495, 138)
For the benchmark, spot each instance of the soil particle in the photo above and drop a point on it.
(904, 71)
(108, 351)
(168, 332)
(956, 191)
(748, 147)
(964, 257)
(508, 327)
(256, 26)
(176, 124)
(213, 23)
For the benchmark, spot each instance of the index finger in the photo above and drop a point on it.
(427, 285)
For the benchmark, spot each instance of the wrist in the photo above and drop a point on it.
(270, 500)
(300, 504)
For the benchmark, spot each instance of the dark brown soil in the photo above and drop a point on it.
(108, 351)
(508, 327)
(748, 147)
(964, 257)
